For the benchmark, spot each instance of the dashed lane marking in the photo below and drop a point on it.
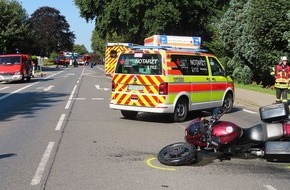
(79, 98)
(97, 98)
(70, 97)
(60, 122)
(148, 162)
(38, 174)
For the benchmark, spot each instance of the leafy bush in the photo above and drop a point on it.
(243, 75)
(246, 75)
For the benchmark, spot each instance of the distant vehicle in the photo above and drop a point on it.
(62, 59)
(87, 59)
(81, 60)
(112, 51)
(15, 67)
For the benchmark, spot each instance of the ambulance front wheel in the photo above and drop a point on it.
(228, 102)
(181, 110)
(129, 114)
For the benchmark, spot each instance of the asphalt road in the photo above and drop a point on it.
(58, 132)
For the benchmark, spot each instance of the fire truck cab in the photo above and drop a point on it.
(15, 67)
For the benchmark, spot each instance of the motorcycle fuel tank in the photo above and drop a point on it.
(226, 131)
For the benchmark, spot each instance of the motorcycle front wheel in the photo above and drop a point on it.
(177, 154)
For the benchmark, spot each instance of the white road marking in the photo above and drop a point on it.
(97, 98)
(79, 98)
(53, 75)
(98, 87)
(38, 174)
(48, 88)
(4, 87)
(252, 112)
(70, 97)
(20, 89)
(60, 122)
(45, 88)
(270, 187)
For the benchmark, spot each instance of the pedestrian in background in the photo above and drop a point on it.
(281, 73)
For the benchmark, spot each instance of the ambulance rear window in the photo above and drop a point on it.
(139, 63)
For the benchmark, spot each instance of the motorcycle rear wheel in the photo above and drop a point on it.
(177, 154)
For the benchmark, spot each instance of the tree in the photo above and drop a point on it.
(133, 20)
(13, 27)
(51, 31)
(255, 35)
(80, 49)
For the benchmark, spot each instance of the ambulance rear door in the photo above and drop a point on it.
(137, 78)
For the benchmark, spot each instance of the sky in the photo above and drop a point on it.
(78, 25)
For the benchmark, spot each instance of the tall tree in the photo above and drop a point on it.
(13, 27)
(256, 35)
(134, 20)
(80, 49)
(51, 31)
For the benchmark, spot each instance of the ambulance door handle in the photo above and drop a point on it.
(207, 78)
(213, 79)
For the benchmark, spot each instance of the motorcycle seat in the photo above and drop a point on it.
(264, 132)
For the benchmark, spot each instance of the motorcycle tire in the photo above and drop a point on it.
(177, 154)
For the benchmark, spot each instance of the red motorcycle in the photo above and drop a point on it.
(269, 139)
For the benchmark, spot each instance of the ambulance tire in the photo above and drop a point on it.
(129, 114)
(228, 102)
(180, 110)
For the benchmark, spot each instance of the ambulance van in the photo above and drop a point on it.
(111, 53)
(170, 79)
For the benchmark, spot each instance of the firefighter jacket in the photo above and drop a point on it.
(281, 73)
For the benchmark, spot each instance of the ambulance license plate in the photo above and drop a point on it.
(135, 87)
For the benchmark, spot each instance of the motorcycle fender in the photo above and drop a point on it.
(277, 151)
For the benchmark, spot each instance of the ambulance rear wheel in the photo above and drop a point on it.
(181, 110)
(129, 114)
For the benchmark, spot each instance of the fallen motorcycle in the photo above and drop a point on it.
(269, 140)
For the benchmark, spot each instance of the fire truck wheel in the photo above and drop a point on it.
(228, 102)
(181, 110)
(129, 114)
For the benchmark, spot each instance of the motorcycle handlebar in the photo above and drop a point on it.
(217, 113)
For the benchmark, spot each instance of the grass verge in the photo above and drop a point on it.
(257, 88)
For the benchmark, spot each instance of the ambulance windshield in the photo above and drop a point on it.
(139, 63)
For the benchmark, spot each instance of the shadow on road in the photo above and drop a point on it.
(7, 155)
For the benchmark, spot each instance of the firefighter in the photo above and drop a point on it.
(281, 73)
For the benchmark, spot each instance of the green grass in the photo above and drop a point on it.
(257, 88)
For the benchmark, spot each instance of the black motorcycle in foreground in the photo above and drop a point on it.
(270, 139)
